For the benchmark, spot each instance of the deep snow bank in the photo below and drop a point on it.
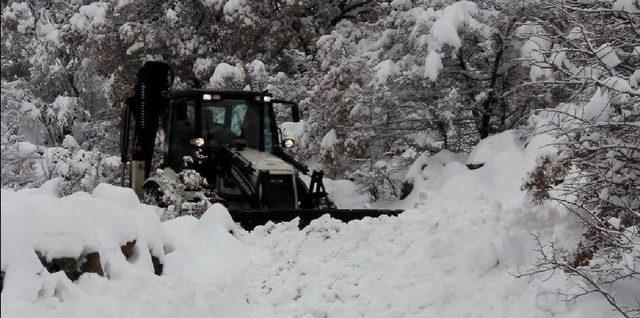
(448, 255)
(199, 277)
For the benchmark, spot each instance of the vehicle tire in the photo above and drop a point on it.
(153, 195)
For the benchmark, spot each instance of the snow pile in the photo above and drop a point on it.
(448, 255)
(70, 227)
(199, 277)
(488, 147)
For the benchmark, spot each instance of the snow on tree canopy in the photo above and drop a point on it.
(634, 80)
(29, 109)
(257, 71)
(202, 67)
(226, 73)
(123, 3)
(620, 85)
(532, 51)
(329, 140)
(217, 4)
(385, 69)
(630, 6)
(444, 31)
(90, 16)
(432, 65)
(445, 28)
(21, 13)
(292, 130)
(171, 16)
(69, 142)
(598, 108)
(237, 9)
(65, 107)
(607, 55)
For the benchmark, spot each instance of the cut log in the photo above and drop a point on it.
(72, 267)
(92, 264)
(157, 266)
(128, 249)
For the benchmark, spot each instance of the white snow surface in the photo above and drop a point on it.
(450, 254)
(488, 147)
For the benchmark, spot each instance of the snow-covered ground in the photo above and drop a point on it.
(449, 255)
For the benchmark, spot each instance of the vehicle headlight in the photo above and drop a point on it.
(198, 142)
(289, 143)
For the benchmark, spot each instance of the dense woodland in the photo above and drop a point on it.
(379, 84)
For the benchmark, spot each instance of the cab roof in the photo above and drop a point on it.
(222, 93)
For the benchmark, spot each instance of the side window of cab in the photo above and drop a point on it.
(182, 130)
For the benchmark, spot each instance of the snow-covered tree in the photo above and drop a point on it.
(588, 52)
(427, 75)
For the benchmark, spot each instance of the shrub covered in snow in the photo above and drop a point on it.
(71, 168)
(593, 169)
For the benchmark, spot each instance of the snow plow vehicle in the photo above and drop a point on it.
(219, 147)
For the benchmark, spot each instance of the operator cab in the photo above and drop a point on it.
(210, 119)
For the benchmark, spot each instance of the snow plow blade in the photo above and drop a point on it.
(249, 219)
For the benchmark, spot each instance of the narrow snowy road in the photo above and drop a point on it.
(449, 255)
(431, 262)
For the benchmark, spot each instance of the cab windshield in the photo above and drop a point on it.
(220, 122)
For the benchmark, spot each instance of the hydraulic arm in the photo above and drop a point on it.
(145, 107)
